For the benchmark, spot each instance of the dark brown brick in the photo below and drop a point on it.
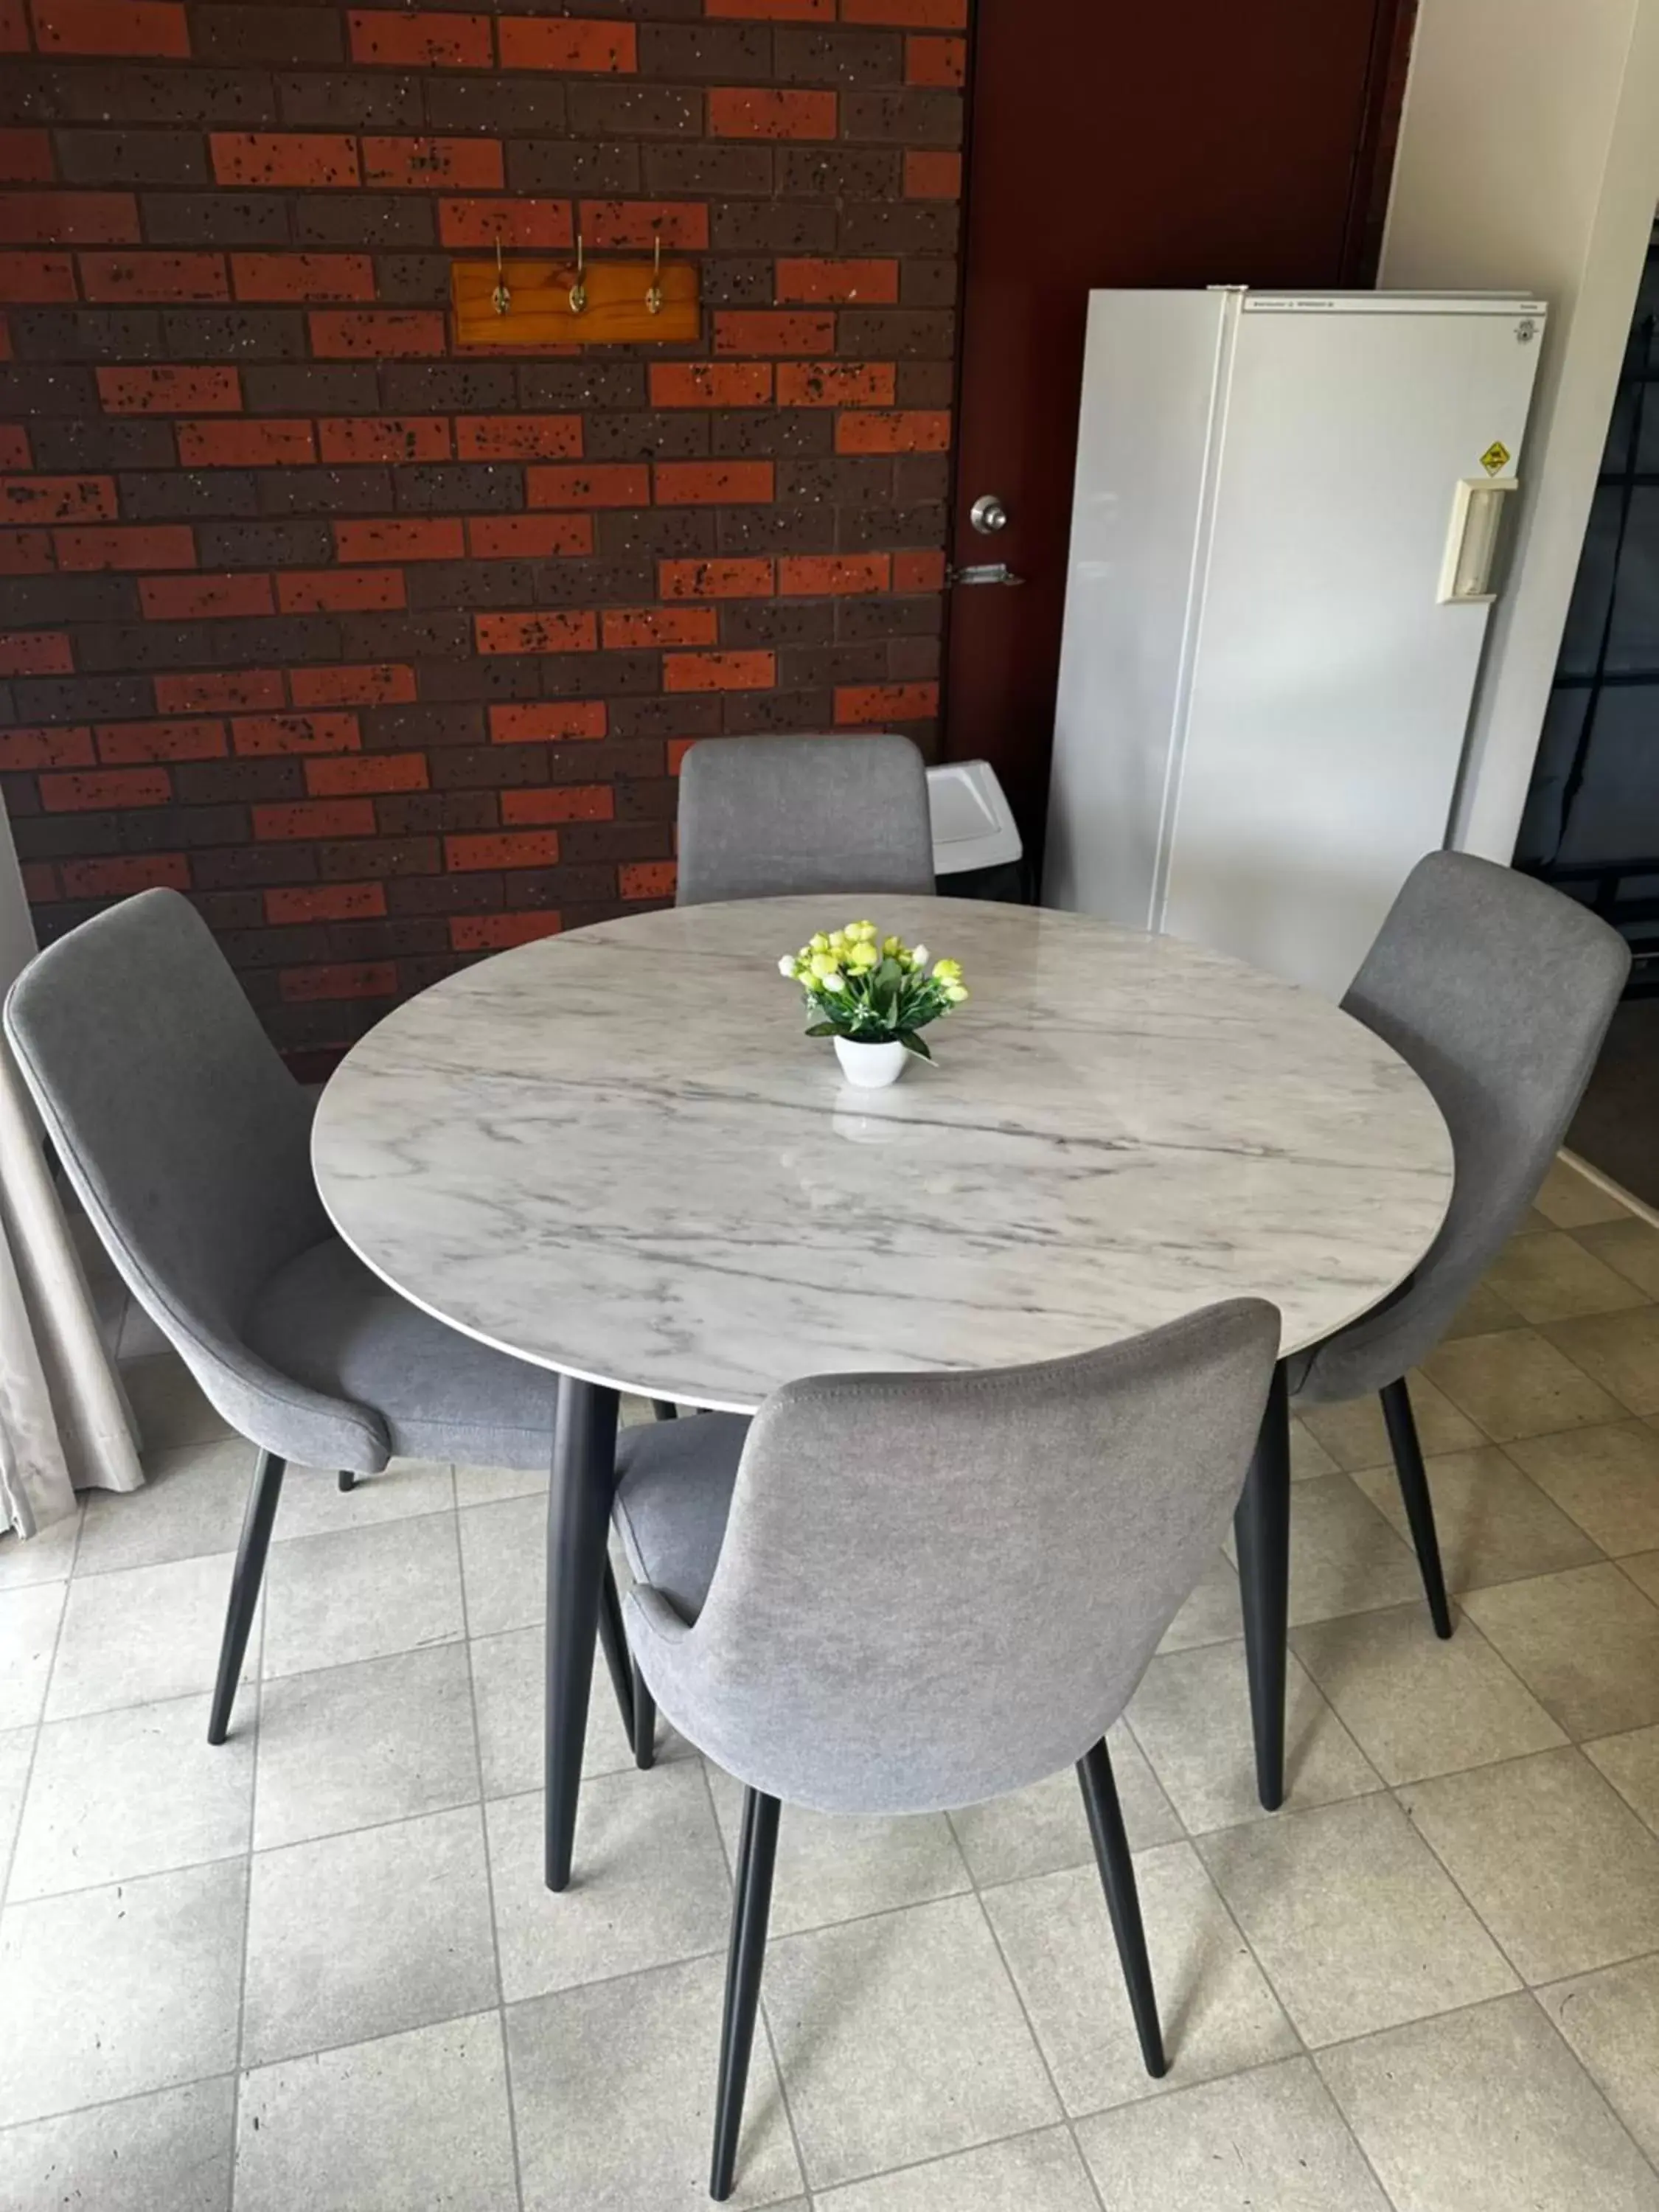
(458, 487)
(899, 226)
(613, 108)
(813, 53)
(68, 334)
(392, 222)
(864, 173)
(264, 544)
(232, 333)
(45, 389)
(131, 158)
(98, 92)
(772, 226)
(681, 434)
(132, 442)
(896, 333)
(283, 36)
(743, 172)
(181, 495)
(568, 166)
(311, 388)
(716, 53)
(501, 106)
(324, 491)
(215, 218)
(340, 102)
(916, 118)
(597, 384)
(774, 433)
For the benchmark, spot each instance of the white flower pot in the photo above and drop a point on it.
(871, 1066)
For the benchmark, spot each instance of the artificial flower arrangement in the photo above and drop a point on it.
(874, 994)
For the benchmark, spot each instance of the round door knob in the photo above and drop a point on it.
(989, 515)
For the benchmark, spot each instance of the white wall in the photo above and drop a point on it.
(1529, 160)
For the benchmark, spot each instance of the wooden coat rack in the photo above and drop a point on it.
(580, 302)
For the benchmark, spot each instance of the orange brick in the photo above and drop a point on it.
(39, 877)
(536, 633)
(36, 279)
(919, 572)
(199, 598)
(258, 737)
(513, 848)
(219, 694)
(517, 437)
(26, 157)
(326, 903)
(719, 672)
(886, 703)
(14, 446)
(339, 591)
(815, 574)
(35, 652)
(497, 933)
(334, 779)
(877, 430)
(272, 158)
(110, 27)
(421, 538)
(383, 684)
(917, 14)
(759, 331)
(383, 438)
(105, 787)
(625, 627)
(932, 176)
(14, 27)
(528, 536)
(169, 391)
(26, 553)
(682, 225)
(710, 383)
(56, 499)
(68, 218)
(935, 61)
(217, 443)
(753, 112)
(340, 979)
(154, 277)
(646, 879)
(558, 802)
(539, 42)
(811, 283)
(153, 545)
(23, 749)
(701, 483)
(552, 720)
(315, 817)
(123, 874)
(677, 750)
(376, 333)
(122, 743)
(430, 164)
(423, 40)
(745, 579)
(612, 483)
(302, 275)
(513, 222)
(837, 383)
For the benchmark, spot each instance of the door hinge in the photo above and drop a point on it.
(983, 572)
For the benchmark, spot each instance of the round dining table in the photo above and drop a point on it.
(615, 1153)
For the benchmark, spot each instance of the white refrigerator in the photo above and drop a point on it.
(1288, 529)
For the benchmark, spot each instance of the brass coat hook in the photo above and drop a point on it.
(501, 299)
(579, 290)
(653, 289)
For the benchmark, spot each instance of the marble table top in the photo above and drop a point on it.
(614, 1152)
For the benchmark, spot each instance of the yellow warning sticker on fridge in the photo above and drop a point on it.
(1494, 457)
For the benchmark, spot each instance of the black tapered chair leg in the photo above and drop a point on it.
(245, 1589)
(1419, 1506)
(1118, 1876)
(752, 1908)
(613, 1639)
(347, 1480)
(644, 1723)
(664, 1409)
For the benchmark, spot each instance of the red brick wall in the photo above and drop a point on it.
(386, 651)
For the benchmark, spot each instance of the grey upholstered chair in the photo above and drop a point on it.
(1498, 991)
(762, 816)
(187, 1142)
(897, 1594)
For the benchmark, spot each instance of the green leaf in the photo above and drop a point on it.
(912, 1043)
(824, 1029)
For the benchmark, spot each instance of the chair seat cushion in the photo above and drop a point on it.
(331, 1323)
(673, 1495)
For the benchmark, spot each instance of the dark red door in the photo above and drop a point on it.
(1123, 143)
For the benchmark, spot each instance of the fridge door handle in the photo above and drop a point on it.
(1471, 541)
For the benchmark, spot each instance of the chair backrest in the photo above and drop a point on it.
(760, 816)
(1498, 991)
(184, 1135)
(933, 1589)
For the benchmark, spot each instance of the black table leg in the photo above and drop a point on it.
(1263, 1528)
(584, 1480)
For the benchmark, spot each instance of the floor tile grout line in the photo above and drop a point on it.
(257, 1686)
(1596, 2089)
(40, 1716)
(765, 2015)
(489, 1869)
(107, 2103)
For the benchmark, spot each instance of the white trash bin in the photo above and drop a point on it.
(977, 851)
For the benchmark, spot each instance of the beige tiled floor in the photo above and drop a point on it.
(314, 1970)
